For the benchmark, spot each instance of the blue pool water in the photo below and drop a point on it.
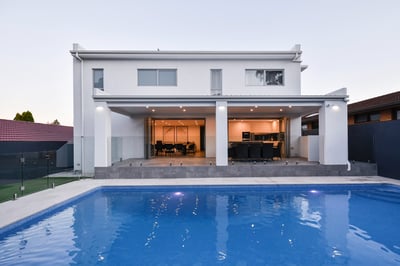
(221, 225)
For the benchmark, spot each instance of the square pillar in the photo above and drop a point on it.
(102, 135)
(333, 144)
(294, 137)
(221, 132)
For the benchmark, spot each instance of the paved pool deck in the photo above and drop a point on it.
(27, 206)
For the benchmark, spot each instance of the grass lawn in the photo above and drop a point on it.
(31, 186)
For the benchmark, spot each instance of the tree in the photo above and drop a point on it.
(55, 122)
(25, 116)
(18, 117)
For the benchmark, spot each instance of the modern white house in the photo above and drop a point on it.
(133, 104)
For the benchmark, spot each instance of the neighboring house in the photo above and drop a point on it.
(34, 141)
(21, 136)
(127, 103)
(374, 126)
(377, 109)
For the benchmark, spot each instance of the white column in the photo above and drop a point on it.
(102, 135)
(210, 136)
(294, 138)
(221, 132)
(333, 133)
(78, 116)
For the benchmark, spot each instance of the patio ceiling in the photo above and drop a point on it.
(249, 111)
(200, 106)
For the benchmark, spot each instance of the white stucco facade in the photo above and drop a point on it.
(114, 122)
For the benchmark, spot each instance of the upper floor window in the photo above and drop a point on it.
(264, 77)
(216, 81)
(98, 78)
(157, 77)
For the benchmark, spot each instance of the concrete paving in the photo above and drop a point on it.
(27, 206)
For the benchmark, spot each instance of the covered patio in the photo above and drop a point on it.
(219, 117)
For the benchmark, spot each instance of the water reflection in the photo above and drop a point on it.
(307, 217)
(48, 242)
(253, 227)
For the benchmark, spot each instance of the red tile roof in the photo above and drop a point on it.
(11, 130)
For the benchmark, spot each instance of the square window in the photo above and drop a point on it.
(375, 117)
(254, 77)
(264, 77)
(274, 77)
(167, 77)
(361, 118)
(147, 77)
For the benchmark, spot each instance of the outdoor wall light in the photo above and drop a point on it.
(334, 107)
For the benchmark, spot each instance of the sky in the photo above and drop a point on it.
(353, 44)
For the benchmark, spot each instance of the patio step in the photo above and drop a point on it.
(248, 170)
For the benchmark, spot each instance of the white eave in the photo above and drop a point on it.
(207, 99)
(188, 55)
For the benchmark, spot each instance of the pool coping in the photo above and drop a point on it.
(28, 206)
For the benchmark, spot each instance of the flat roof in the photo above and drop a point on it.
(293, 54)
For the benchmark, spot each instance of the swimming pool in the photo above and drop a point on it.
(214, 225)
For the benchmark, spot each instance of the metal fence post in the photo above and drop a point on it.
(22, 160)
(48, 160)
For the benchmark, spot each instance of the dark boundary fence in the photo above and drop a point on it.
(28, 165)
(377, 143)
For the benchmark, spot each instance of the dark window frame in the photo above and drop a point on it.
(374, 117)
(367, 117)
(264, 73)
